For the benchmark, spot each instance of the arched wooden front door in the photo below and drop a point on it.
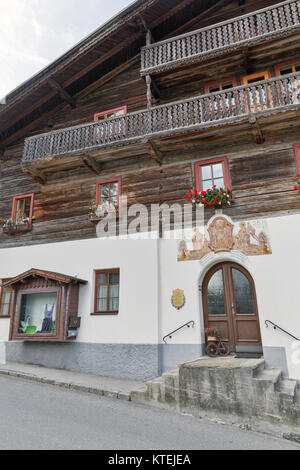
(229, 303)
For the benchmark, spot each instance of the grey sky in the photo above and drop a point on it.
(33, 33)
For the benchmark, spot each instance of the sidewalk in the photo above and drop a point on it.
(103, 386)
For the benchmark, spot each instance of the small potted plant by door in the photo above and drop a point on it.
(212, 334)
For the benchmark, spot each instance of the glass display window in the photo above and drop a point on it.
(38, 313)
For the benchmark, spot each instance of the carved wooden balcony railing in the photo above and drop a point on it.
(269, 23)
(270, 96)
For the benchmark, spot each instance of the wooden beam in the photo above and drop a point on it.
(155, 89)
(256, 130)
(204, 14)
(83, 71)
(109, 76)
(36, 175)
(52, 112)
(155, 152)
(62, 93)
(91, 164)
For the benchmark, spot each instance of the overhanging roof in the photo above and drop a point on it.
(62, 278)
(116, 42)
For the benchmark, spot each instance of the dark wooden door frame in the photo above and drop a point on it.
(231, 318)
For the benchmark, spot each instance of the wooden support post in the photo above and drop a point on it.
(149, 39)
(149, 91)
(36, 175)
(63, 93)
(246, 62)
(2, 150)
(256, 130)
(155, 153)
(91, 164)
(155, 89)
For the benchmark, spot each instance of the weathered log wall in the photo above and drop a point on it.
(262, 176)
(262, 179)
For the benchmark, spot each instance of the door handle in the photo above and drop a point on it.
(233, 309)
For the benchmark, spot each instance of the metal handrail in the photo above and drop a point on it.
(284, 331)
(170, 335)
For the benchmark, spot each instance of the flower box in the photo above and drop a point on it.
(17, 228)
(214, 197)
(297, 187)
(97, 213)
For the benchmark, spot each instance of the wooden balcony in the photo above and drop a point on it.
(146, 132)
(268, 24)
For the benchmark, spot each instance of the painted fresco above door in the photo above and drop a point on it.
(221, 234)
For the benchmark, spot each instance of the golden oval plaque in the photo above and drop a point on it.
(178, 299)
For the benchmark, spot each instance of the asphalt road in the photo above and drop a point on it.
(34, 416)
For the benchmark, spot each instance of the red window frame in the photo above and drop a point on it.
(224, 161)
(14, 207)
(101, 183)
(297, 156)
(103, 138)
(285, 64)
(110, 111)
(219, 82)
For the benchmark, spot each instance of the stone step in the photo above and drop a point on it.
(154, 389)
(287, 392)
(287, 387)
(171, 373)
(268, 376)
(139, 395)
(258, 367)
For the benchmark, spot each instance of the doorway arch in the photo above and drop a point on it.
(230, 304)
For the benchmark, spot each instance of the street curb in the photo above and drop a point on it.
(70, 386)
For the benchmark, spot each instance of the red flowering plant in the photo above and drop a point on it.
(212, 197)
(212, 332)
(297, 187)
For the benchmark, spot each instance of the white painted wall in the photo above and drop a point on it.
(277, 280)
(147, 264)
(137, 322)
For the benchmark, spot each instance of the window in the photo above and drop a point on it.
(256, 101)
(220, 86)
(44, 306)
(108, 194)
(293, 86)
(107, 290)
(22, 210)
(111, 130)
(38, 313)
(287, 67)
(212, 173)
(216, 104)
(256, 77)
(110, 113)
(5, 300)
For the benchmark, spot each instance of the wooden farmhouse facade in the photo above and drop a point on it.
(167, 103)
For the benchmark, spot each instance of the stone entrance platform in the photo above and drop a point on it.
(232, 390)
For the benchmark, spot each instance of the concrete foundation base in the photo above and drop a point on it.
(242, 390)
(125, 361)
